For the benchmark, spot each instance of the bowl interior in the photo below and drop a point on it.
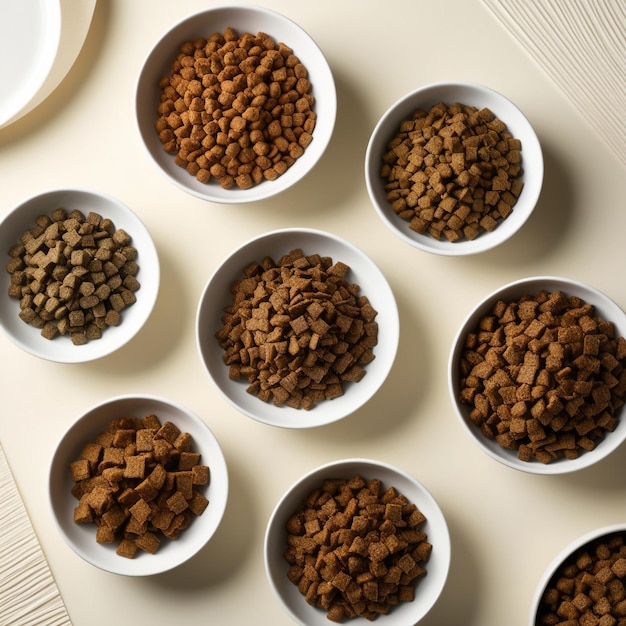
(242, 19)
(564, 555)
(81, 537)
(604, 308)
(364, 272)
(428, 589)
(473, 95)
(61, 349)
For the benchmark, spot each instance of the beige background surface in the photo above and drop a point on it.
(505, 525)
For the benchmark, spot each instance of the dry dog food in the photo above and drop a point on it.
(356, 550)
(139, 481)
(453, 172)
(236, 109)
(297, 330)
(73, 274)
(589, 588)
(544, 376)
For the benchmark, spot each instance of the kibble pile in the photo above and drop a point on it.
(589, 588)
(237, 109)
(544, 375)
(139, 482)
(453, 172)
(74, 274)
(297, 330)
(356, 549)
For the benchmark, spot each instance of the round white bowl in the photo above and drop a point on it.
(61, 349)
(428, 588)
(216, 296)
(604, 308)
(243, 19)
(470, 94)
(81, 538)
(562, 557)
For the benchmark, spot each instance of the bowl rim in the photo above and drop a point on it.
(485, 241)
(392, 325)
(342, 465)
(508, 457)
(558, 559)
(101, 347)
(266, 189)
(218, 461)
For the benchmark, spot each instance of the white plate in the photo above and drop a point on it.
(30, 32)
(69, 25)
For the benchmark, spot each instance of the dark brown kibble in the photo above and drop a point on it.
(297, 331)
(355, 550)
(72, 275)
(452, 172)
(543, 375)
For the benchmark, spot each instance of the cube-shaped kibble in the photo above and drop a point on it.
(100, 499)
(82, 512)
(141, 511)
(183, 442)
(80, 470)
(104, 534)
(114, 517)
(135, 527)
(112, 456)
(148, 542)
(144, 439)
(123, 437)
(162, 519)
(169, 432)
(201, 474)
(157, 476)
(92, 452)
(177, 502)
(135, 467)
(126, 548)
(187, 460)
(147, 490)
(184, 484)
(198, 503)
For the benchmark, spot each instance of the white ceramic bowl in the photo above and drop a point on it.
(605, 308)
(564, 555)
(243, 19)
(61, 349)
(216, 296)
(428, 588)
(473, 95)
(81, 538)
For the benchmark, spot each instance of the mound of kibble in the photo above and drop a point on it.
(356, 549)
(589, 587)
(73, 275)
(139, 482)
(453, 171)
(544, 375)
(237, 109)
(297, 330)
